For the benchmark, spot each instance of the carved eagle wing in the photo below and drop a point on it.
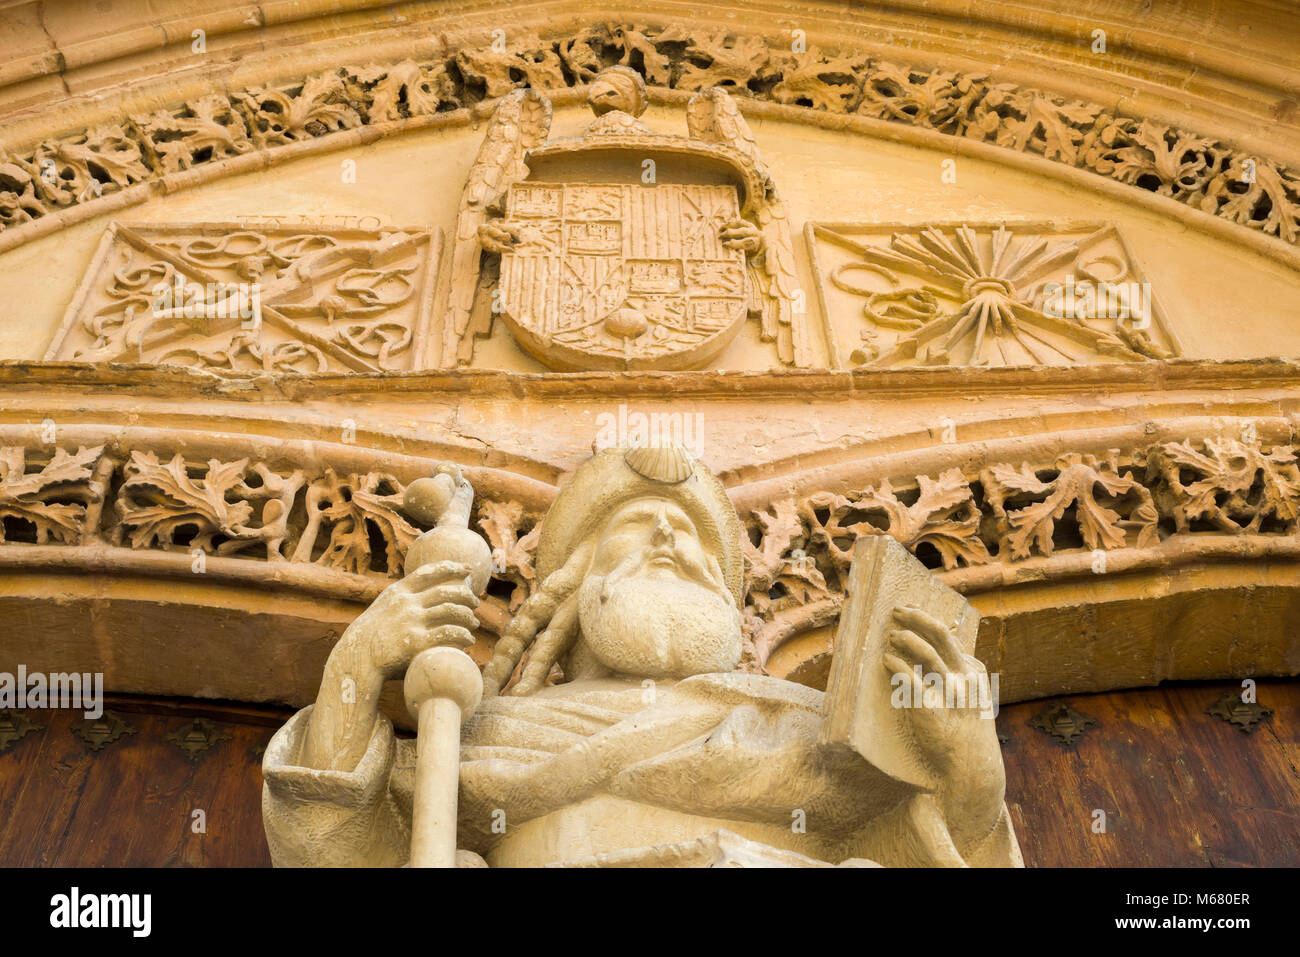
(713, 116)
(521, 121)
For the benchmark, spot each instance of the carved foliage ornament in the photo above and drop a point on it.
(1198, 171)
(51, 498)
(215, 504)
(797, 552)
(350, 522)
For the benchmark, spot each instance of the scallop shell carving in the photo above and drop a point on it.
(660, 463)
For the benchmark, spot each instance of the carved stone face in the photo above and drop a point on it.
(654, 604)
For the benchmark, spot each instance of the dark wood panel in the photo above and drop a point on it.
(131, 803)
(1179, 787)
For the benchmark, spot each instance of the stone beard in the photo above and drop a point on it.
(658, 612)
(651, 749)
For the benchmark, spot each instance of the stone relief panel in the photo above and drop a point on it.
(622, 278)
(624, 248)
(985, 294)
(232, 299)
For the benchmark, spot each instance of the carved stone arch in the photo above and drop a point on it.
(1094, 553)
(1054, 104)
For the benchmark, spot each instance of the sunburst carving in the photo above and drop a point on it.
(991, 295)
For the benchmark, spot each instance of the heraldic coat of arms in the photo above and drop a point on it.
(622, 248)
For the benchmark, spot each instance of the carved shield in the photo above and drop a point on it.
(622, 276)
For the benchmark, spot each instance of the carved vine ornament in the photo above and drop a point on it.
(797, 552)
(1198, 171)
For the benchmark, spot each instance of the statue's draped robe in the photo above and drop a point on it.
(729, 752)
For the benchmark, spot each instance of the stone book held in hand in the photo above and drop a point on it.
(859, 711)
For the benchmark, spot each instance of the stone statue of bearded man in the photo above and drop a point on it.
(651, 750)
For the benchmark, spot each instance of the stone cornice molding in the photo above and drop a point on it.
(1155, 375)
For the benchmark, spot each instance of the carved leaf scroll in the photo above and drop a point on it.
(513, 547)
(212, 507)
(1232, 485)
(198, 132)
(1082, 483)
(779, 570)
(797, 550)
(942, 514)
(158, 498)
(352, 508)
(404, 89)
(319, 105)
(52, 499)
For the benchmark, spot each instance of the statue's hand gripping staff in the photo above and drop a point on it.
(443, 685)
